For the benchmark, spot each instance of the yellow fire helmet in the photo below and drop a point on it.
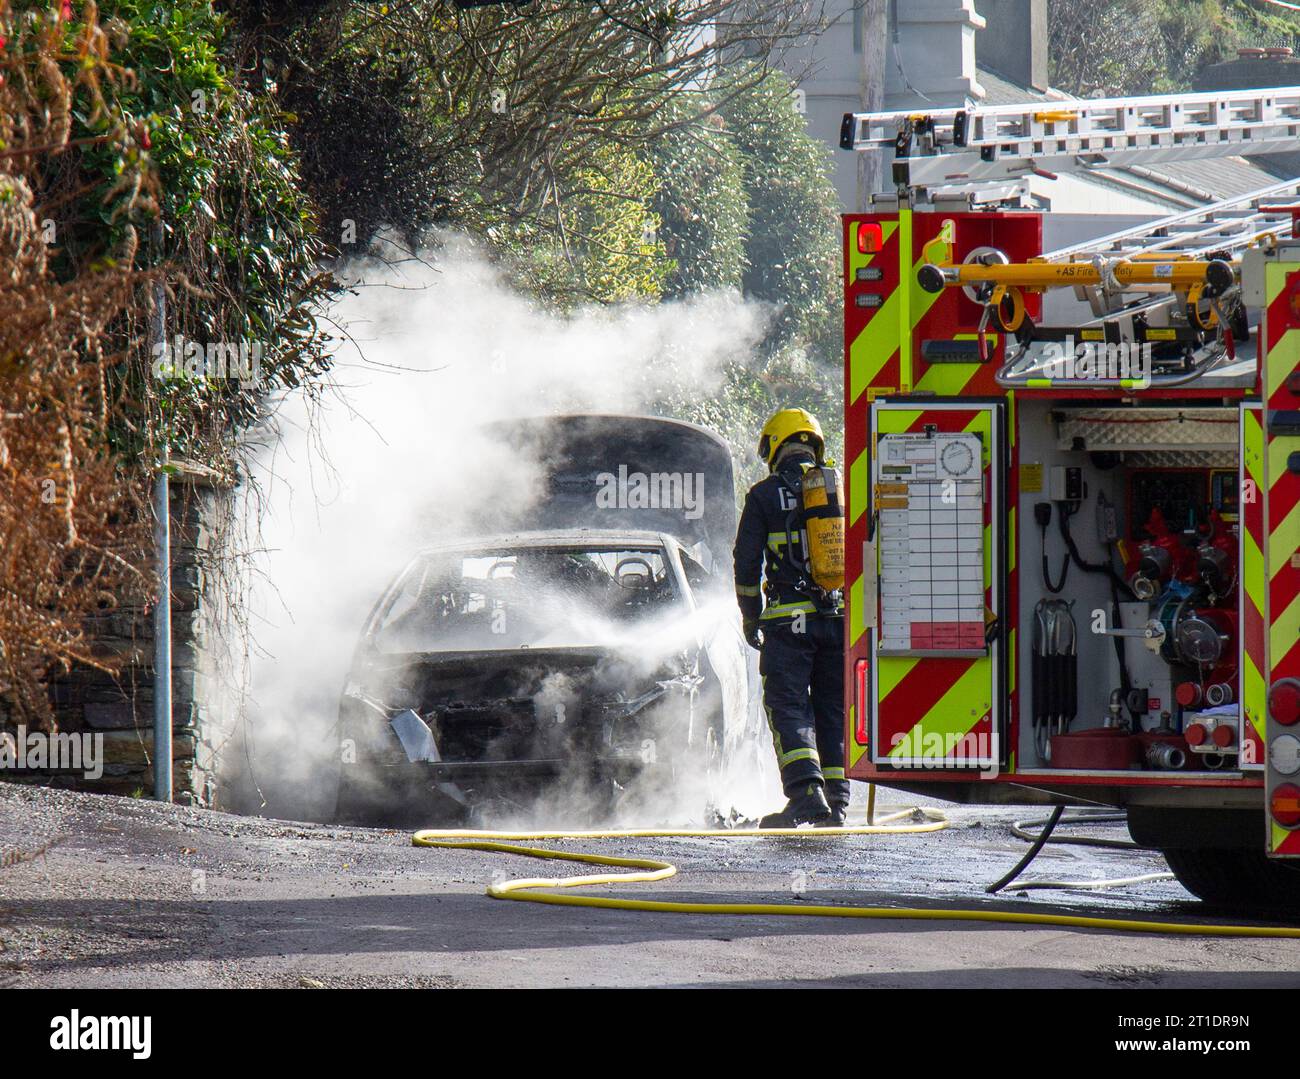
(786, 424)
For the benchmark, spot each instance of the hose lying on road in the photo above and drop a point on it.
(1113, 882)
(1046, 835)
(1020, 829)
(549, 889)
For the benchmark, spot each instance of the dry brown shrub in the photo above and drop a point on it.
(74, 520)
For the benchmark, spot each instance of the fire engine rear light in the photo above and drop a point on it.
(868, 299)
(860, 673)
(870, 273)
(1284, 754)
(1284, 701)
(870, 238)
(1195, 734)
(1285, 805)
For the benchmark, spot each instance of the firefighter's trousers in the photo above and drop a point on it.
(803, 693)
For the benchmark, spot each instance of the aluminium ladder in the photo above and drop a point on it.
(996, 143)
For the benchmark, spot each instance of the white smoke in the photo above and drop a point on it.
(394, 458)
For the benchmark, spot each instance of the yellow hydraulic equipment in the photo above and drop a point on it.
(989, 278)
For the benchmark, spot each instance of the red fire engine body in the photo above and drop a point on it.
(1073, 478)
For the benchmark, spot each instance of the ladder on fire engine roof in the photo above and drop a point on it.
(1221, 229)
(990, 144)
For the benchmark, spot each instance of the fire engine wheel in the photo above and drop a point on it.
(1243, 878)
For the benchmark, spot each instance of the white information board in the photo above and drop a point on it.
(929, 491)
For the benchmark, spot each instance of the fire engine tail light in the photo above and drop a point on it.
(1285, 805)
(871, 238)
(1284, 701)
(860, 677)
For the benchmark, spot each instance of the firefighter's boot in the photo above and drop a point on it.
(806, 806)
(839, 815)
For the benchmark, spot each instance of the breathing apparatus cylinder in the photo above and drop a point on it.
(823, 523)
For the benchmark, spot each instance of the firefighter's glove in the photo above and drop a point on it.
(753, 635)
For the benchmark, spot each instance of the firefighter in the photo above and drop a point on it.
(799, 632)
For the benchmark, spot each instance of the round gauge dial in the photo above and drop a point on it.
(957, 458)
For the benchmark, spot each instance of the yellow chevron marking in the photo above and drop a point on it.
(981, 424)
(955, 713)
(856, 753)
(1252, 570)
(872, 348)
(1284, 632)
(894, 421)
(1278, 451)
(949, 379)
(891, 670)
(946, 379)
(1288, 532)
(857, 600)
(889, 330)
(1279, 835)
(906, 293)
(1275, 275)
(859, 485)
(1283, 357)
(1253, 696)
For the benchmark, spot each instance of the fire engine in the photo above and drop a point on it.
(1073, 480)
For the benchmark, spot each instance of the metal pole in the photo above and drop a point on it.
(873, 23)
(162, 643)
(162, 615)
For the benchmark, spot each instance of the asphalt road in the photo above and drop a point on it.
(130, 893)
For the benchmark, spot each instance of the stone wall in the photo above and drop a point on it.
(120, 708)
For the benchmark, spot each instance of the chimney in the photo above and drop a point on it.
(1014, 41)
(1254, 69)
(930, 57)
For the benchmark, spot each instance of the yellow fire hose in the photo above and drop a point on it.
(546, 889)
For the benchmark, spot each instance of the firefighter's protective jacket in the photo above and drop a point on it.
(770, 561)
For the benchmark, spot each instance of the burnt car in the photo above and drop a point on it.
(573, 658)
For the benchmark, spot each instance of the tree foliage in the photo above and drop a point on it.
(71, 534)
(238, 234)
(133, 157)
(505, 121)
(1117, 47)
(793, 247)
(784, 213)
(701, 202)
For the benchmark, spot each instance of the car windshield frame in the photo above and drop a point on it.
(475, 611)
